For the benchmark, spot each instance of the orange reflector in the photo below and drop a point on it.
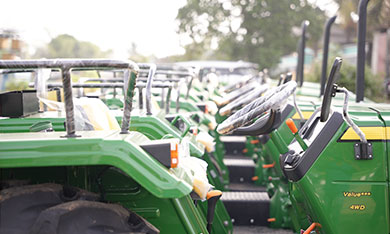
(291, 126)
(194, 130)
(254, 141)
(255, 178)
(271, 220)
(213, 193)
(174, 154)
(311, 228)
(269, 165)
(245, 150)
(206, 109)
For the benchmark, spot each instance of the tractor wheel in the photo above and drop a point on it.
(92, 218)
(20, 206)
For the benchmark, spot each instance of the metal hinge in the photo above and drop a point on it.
(363, 151)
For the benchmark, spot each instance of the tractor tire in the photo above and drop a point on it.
(20, 206)
(90, 218)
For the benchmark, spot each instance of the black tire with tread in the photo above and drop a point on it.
(90, 218)
(20, 206)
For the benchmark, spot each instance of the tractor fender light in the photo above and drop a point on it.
(174, 154)
(165, 151)
(194, 131)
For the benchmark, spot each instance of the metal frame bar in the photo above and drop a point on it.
(66, 66)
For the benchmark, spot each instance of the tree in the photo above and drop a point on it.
(259, 31)
(134, 55)
(66, 46)
(377, 15)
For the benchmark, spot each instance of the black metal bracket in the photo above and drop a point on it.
(363, 151)
(335, 90)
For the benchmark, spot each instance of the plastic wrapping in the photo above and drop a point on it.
(205, 139)
(42, 75)
(97, 114)
(193, 170)
(257, 92)
(212, 107)
(89, 113)
(197, 170)
(235, 94)
(272, 99)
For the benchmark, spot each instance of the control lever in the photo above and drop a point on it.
(311, 228)
(294, 130)
(212, 198)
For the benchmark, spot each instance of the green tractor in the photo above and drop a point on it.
(121, 180)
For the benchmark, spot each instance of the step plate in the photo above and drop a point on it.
(247, 208)
(241, 169)
(245, 196)
(259, 229)
(234, 144)
(239, 162)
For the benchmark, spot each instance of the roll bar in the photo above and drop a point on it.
(66, 66)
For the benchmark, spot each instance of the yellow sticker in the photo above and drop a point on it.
(372, 133)
(356, 194)
(357, 207)
(306, 115)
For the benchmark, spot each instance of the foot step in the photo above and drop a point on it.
(247, 208)
(241, 169)
(234, 144)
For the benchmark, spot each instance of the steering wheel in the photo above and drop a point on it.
(258, 91)
(330, 89)
(272, 99)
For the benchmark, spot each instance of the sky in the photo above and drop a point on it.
(115, 24)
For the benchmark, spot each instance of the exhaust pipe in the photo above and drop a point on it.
(325, 53)
(361, 53)
(301, 53)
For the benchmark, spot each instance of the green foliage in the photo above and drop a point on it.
(134, 55)
(374, 88)
(13, 85)
(66, 46)
(259, 31)
(377, 16)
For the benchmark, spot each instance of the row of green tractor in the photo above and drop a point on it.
(192, 147)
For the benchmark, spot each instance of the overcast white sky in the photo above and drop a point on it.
(111, 24)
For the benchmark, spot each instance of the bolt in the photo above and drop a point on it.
(356, 145)
(251, 220)
(357, 156)
(369, 144)
(232, 220)
(226, 223)
(370, 156)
